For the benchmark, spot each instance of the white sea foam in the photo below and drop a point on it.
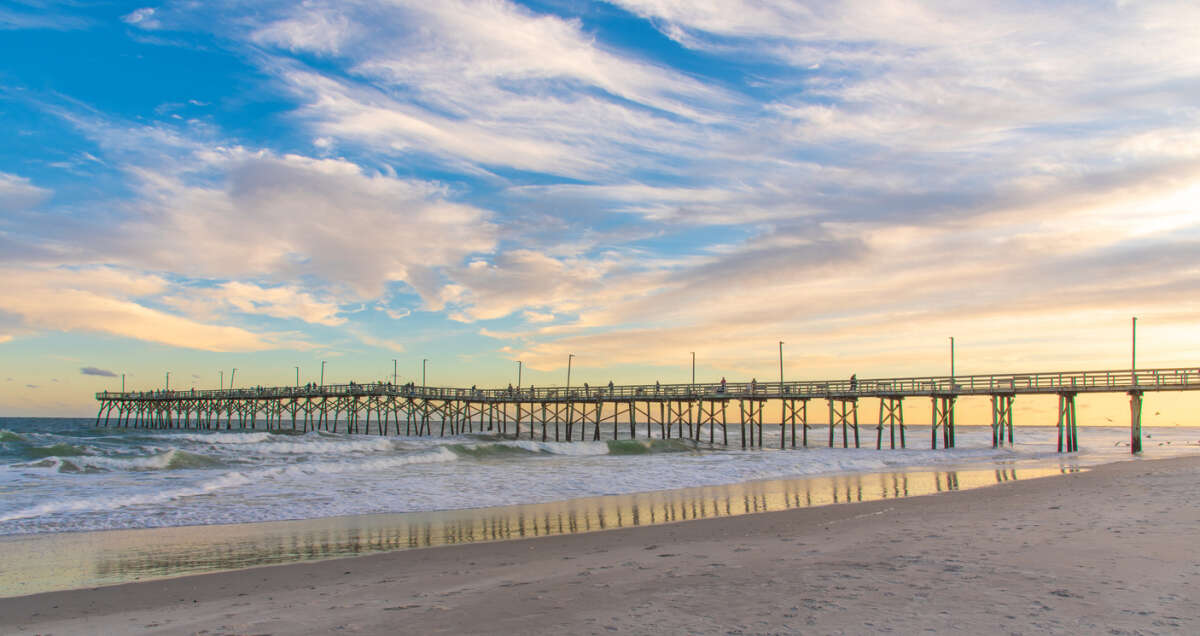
(115, 502)
(573, 449)
(370, 464)
(337, 446)
(268, 443)
(171, 459)
(216, 438)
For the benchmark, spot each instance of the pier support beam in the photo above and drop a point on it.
(943, 417)
(752, 418)
(891, 412)
(1002, 418)
(1066, 423)
(843, 411)
(793, 413)
(1135, 422)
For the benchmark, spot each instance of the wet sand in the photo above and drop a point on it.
(71, 560)
(1110, 550)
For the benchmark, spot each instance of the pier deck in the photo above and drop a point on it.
(676, 410)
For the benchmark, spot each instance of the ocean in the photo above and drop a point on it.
(66, 475)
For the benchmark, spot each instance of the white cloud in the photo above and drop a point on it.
(18, 193)
(143, 18)
(396, 314)
(485, 83)
(106, 300)
(282, 301)
(519, 279)
(241, 214)
(928, 75)
(318, 29)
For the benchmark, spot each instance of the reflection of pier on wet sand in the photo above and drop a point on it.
(46, 562)
(685, 411)
(1106, 550)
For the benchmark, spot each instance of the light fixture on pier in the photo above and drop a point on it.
(781, 367)
(951, 361)
(1133, 350)
(570, 356)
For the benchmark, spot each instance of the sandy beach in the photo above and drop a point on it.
(1109, 550)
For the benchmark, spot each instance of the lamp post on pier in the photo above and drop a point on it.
(297, 377)
(222, 372)
(693, 372)
(781, 367)
(322, 373)
(1133, 349)
(167, 385)
(231, 377)
(395, 372)
(423, 362)
(951, 362)
(570, 356)
(122, 383)
(519, 365)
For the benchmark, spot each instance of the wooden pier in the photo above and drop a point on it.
(698, 412)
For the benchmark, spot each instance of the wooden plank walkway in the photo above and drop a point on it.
(676, 410)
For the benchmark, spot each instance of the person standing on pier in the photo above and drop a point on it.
(722, 384)
(853, 381)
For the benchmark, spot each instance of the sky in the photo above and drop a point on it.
(193, 187)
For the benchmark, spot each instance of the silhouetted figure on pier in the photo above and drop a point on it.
(853, 381)
(722, 390)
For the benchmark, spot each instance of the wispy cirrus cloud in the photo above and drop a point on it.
(46, 16)
(18, 193)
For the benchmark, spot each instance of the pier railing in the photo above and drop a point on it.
(1055, 382)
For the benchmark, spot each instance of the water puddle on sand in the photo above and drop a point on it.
(47, 562)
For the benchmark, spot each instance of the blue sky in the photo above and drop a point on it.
(190, 187)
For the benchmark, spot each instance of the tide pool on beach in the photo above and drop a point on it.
(84, 506)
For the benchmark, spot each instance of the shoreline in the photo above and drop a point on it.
(1031, 554)
(48, 562)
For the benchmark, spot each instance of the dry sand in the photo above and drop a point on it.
(1112, 550)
